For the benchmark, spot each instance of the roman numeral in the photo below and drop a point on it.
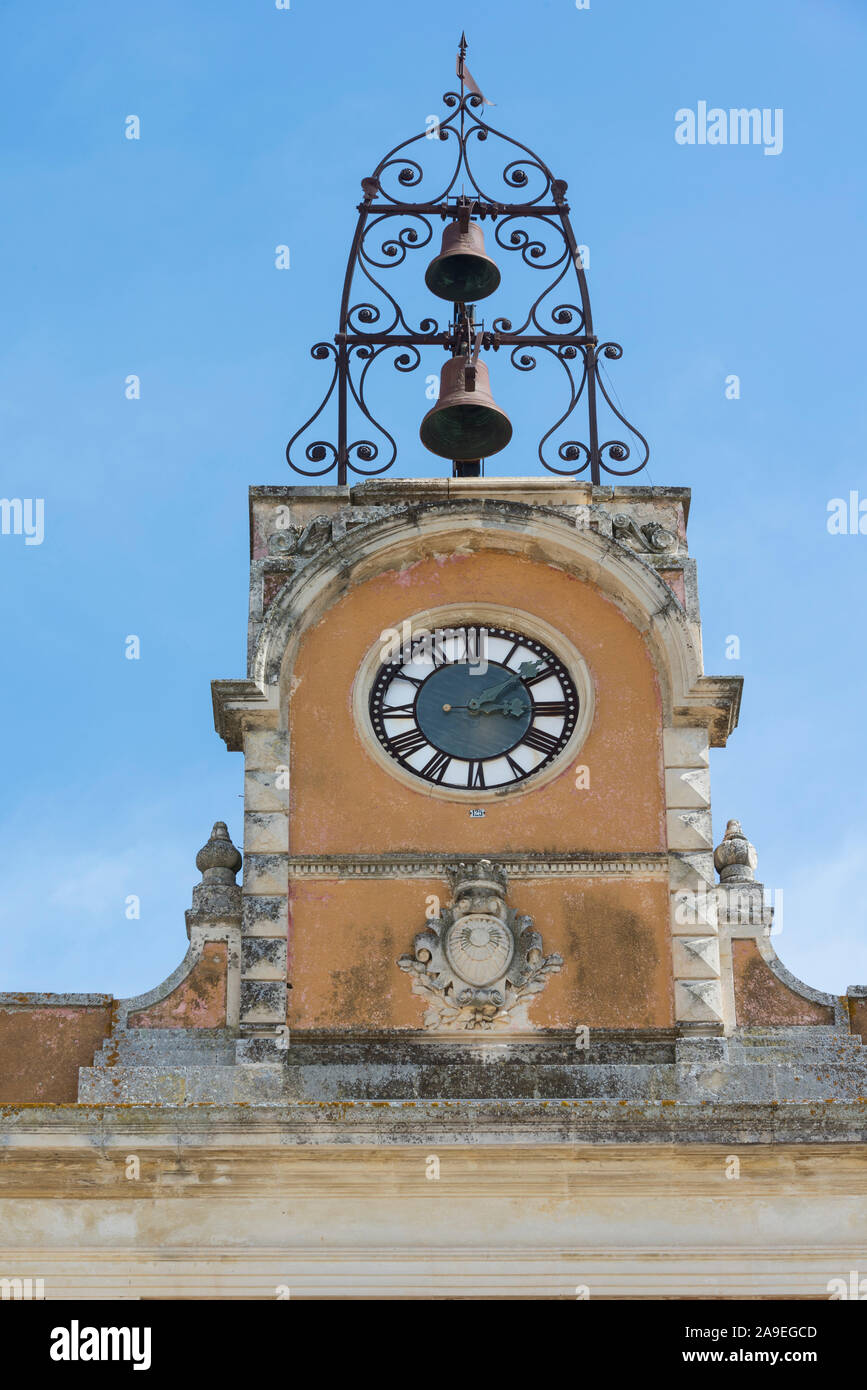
(476, 775)
(413, 680)
(538, 739)
(404, 744)
(510, 653)
(517, 770)
(391, 710)
(550, 707)
(475, 645)
(420, 656)
(435, 768)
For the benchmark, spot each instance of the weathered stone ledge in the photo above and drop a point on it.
(508, 1122)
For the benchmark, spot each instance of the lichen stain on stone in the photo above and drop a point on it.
(616, 964)
(858, 1017)
(356, 990)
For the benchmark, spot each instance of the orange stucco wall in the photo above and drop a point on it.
(343, 801)
(345, 936)
(613, 936)
(42, 1048)
(344, 940)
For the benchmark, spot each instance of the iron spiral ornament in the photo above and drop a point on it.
(396, 218)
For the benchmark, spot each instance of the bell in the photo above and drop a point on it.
(466, 422)
(462, 271)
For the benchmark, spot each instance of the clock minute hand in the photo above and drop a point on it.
(491, 693)
(525, 670)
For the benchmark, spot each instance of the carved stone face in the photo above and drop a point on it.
(479, 899)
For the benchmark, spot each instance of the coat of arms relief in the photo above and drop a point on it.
(479, 963)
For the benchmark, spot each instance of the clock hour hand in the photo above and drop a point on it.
(486, 696)
(515, 707)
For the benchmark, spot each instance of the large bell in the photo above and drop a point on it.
(462, 271)
(466, 422)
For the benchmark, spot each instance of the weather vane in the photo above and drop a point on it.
(465, 425)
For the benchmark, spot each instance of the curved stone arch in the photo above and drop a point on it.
(835, 1002)
(139, 1003)
(200, 937)
(372, 547)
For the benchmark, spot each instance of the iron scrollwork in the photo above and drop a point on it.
(390, 226)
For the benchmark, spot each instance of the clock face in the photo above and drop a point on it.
(473, 708)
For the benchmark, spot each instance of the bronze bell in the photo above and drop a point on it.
(462, 271)
(466, 422)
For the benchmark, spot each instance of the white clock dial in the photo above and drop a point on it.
(473, 707)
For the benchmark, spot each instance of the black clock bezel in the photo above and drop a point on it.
(434, 772)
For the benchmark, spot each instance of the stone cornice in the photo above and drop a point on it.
(516, 1123)
(376, 490)
(18, 999)
(665, 1171)
(241, 705)
(516, 865)
(713, 702)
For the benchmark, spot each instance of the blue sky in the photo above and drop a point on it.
(156, 257)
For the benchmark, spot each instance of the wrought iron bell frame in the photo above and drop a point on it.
(362, 338)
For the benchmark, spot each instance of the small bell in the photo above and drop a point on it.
(462, 271)
(466, 422)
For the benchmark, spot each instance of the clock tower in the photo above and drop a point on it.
(449, 674)
(494, 678)
(480, 1020)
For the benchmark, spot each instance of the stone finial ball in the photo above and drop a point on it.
(735, 858)
(219, 852)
